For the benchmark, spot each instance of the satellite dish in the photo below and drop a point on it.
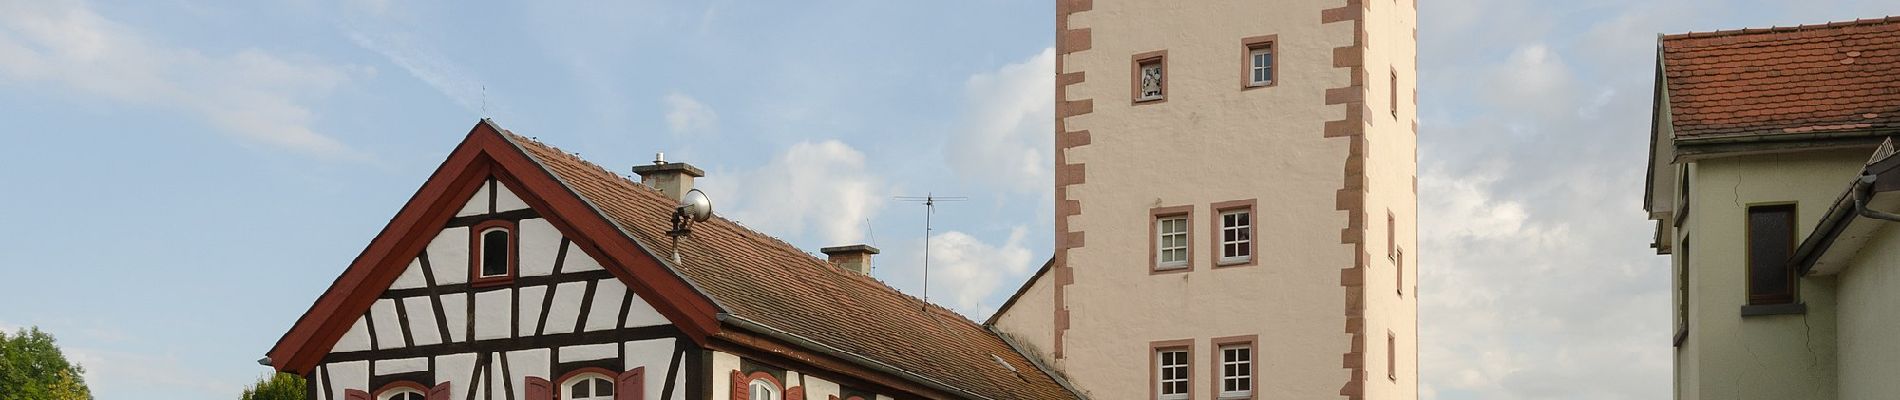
(696, 205)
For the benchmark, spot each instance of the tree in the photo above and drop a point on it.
(279, 386)
(32, 368)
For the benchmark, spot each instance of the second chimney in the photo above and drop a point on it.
(854, 258)
(673, 179)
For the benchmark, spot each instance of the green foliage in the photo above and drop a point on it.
(280, 386)
(32, 368)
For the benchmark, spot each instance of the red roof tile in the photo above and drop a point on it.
(1812, 78)
(763, 279)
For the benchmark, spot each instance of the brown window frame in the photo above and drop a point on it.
(1391, 235)
(1134, 77)
(1247, 46)
(1253, 361)
(1395, 93)
(1682, 290)
(1253, 232)
(1788, 294)
(1154, 238)
(1186, 347)
(475, 253)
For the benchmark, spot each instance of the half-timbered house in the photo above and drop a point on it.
(522, 272)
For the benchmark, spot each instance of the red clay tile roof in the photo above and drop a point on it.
(1815, 78)
(763, 279)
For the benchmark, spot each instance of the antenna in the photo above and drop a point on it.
(930, 207)
(484, 101)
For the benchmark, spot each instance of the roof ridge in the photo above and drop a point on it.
(773, 242)
(1781, 29)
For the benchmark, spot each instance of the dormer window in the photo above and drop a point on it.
(491, 253)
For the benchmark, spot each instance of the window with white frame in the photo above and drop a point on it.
(1171, 242)
(1236, 371)
(1260, 64)
(1151, 84)
(588, 387)
(1172, 379)
(761, 389)
(1236, 236)
(403, 394)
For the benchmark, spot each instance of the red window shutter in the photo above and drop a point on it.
(795, 393)
(440, 392)
(740, 387)
(539, 389)
(353, 394)
(632, 385)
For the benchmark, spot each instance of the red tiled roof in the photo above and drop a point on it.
(763, 279)
(1814, 78)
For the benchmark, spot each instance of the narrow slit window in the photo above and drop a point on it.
(1391, 356)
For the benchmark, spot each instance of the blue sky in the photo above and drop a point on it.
(187, 176)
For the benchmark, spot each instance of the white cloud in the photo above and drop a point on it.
(251, 94)
(686, 116)
(970, 270)
(432, 68)
(812, 188)
(1006, 128)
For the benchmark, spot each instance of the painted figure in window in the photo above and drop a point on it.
(1151, 81)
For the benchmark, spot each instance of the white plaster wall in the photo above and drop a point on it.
(422, 324)
(388, 326)
(590, 352)
(477, 204)
(456, 369)
(526, 363)
(530, 299)
(566, 309)
(505, 199)
(579, 261)
(355, 339)
(494, 316)
(539, 244)
(605, 312)
(1391, 165)
(455, 309)
(656, 355)
(1031, 320)
(411, 277)
(819, 389)
(723, 364)
(448, 256)
(348, 375)
(397, 366)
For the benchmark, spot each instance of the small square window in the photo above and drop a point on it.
(1149, 83)
(1236, 371)
(1258, 56)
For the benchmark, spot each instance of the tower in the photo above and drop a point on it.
(1235, 197)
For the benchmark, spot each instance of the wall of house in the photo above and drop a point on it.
(1027, 320)
(1867, 299)
(562, 313)
(730, 372)
(1771, 356)
(1319, 153)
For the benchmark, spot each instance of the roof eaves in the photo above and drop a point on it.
(855, 358)
(1780, 29)
(1037, 361)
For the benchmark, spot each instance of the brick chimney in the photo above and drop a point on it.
(674, 179)
(854, 258)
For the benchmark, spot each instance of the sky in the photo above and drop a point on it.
(186, 176)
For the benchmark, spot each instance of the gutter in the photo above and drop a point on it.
(1845, 209)
(1860, 203)
(860, 360)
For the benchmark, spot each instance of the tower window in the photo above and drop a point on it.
(1171, 374)
(1236, 371)
(1150, 77)
(1395, 93)
(1233, 233)
(1170, 238)
(1257, 61)
(1391, 356)
(492, 252)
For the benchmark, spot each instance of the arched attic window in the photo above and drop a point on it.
(492, 253)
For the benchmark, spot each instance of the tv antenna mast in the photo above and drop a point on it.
(929, 200)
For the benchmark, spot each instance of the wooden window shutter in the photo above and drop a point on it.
(632, 385)
(795, 393)
(353, 394)
(741, 387)
(439, 392)
(539, 388)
